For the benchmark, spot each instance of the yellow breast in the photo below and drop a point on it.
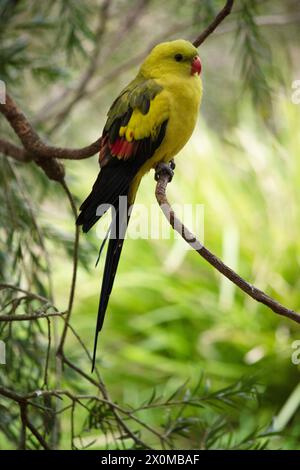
(184, 98)
(180, 100)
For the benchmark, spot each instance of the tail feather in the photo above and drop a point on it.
(112, 182)
(103, 244)
(113, 254)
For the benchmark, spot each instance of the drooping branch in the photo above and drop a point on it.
(211, 258)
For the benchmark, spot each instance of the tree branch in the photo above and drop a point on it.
(27, 424)
(226, 10)
(30, 295)
(74, 274)
(176, 224)
(33, 316)
(33, 143)
(45, 156)
(9, 149)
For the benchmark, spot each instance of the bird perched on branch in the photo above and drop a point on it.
(147, 125)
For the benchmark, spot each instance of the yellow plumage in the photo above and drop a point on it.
(179, 102)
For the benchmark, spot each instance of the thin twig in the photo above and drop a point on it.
(39, 233)
(30, 317)
(226, 10)
(75, 266)
(23, 407)
(37, 435)
(113, 406)
(47, 354)
(26, 423)
(30, 295)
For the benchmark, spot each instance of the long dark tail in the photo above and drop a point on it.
(112, 192)
(115, 245)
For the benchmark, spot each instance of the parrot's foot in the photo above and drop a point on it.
(167, 168)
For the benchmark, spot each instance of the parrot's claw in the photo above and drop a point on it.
(172, 164)
(167, 168)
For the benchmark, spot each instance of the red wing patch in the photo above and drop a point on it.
(120, 148)
(123, 149)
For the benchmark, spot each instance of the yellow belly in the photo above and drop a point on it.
(184, 98)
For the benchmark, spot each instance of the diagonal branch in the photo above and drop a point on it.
(226, 10)
(176, 224)
(28, 424)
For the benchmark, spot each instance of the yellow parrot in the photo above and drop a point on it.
(147, 125)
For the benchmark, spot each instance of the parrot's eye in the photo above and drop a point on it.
(178, 57)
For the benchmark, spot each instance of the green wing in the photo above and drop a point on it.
(137, 95)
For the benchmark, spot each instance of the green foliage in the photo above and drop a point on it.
(255, 57)
(29, 29)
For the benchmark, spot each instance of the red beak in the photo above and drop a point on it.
(196, 66)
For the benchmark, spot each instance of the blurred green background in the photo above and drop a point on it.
(172, 320)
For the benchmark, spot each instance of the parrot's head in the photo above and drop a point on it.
(178, 57)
